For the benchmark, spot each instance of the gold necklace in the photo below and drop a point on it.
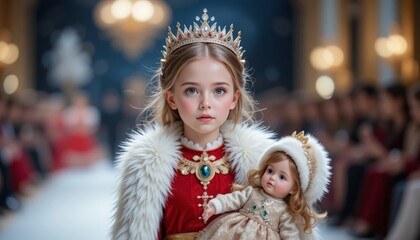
(204, 167)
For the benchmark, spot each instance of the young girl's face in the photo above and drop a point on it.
(203, 94)
(277, 179)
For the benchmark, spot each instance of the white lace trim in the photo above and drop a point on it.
(210, 146)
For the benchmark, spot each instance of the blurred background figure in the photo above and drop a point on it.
(405, 211)
(110, 119)
(81, 123)
(55, 129)
(292, 112)
(8, 199)
(375, 195)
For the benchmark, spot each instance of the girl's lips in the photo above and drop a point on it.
(205, 118)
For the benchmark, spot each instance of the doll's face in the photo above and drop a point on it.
(277, 180)
(203, 95)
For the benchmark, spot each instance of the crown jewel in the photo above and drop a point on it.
(203, 33)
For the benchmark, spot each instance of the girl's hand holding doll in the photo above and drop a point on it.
(208, 213)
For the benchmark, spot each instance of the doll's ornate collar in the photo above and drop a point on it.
(195, 146)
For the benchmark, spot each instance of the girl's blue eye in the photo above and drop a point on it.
(191, 91)
(269, 170)
(219, 91)
(282, 177)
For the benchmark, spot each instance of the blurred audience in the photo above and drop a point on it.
(8, 200)
(292, 112)
(40, 134)
(352, 159)
(372, 135)
(375, 198)
(405, 226)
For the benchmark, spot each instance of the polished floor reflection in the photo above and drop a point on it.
(77, 204)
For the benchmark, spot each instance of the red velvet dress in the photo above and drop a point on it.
(184, 205)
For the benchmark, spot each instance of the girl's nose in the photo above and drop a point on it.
(205, 103)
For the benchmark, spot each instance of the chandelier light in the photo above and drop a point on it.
(325, 86)
(9, 53)
(392, 46)
(132, 25)
(325, 58)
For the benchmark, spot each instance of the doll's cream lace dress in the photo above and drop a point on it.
(260, 217)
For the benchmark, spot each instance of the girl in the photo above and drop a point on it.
(197, 141)
(278, 201)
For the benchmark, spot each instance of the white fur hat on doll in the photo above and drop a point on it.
(312, 162)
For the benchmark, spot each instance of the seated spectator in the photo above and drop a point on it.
(408, 218)
(351, 163)
(375, 197)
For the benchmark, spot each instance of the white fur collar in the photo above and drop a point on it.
(148, 162)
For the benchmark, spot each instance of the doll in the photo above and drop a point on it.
(198, 138)
(278, 202)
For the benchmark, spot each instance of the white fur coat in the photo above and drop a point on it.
(148, 163)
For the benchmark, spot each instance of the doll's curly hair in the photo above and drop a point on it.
(298, 207)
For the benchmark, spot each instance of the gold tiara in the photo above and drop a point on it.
(309, 157)
(203, 33)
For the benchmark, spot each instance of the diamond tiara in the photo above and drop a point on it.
(203, 33)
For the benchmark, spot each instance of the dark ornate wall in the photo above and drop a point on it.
(267, 29)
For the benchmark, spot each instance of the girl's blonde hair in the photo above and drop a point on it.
(300, 210)
(158, 110)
